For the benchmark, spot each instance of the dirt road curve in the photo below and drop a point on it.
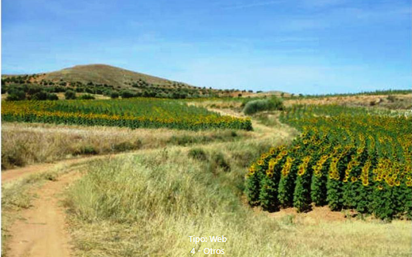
(10, 175)
(42, 231)
(13, 174)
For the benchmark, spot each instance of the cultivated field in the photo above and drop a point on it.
(306, 181)
(134, 113)
(347, 158)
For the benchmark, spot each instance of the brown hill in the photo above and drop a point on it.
(104, 74)
(118, 79)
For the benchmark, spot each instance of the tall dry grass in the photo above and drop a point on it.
(24, 144)
(149, 204)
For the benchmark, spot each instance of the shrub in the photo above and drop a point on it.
(42, 95)
(127, 94)
(86, 97)
(276, 103)
(52, 97)
(39, 96)
(255, 106)
(69, 94)
(114, 95)
(4, 88)
(90, 90)
(33, 89)
(16, 95)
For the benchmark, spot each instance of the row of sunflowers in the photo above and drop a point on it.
(346, 158)
(133, 113)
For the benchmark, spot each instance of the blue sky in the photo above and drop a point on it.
(301, 46)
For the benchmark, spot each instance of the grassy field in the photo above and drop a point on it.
(29, 143)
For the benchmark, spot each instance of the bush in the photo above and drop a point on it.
(4, 88)
(39, 96)
(89, 90)
(86, 97)
(16, 95)
(197, 154)
(114, 95)
(69, 94)
(52, 97)
(127, 94)
(276, 103)
(255, 106)
(34, 89)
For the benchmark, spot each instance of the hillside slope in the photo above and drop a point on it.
(104, 74)
(105, 80)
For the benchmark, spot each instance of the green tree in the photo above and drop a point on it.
(114, 95)
(69, 94)
(16, 95)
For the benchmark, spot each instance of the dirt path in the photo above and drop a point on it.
(42, 229)
(261, 130)
(18, 173)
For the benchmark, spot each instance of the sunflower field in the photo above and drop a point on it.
(133, 113)
(346, 158)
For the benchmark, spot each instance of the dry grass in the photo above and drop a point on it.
(217, 104)
(148, 205)
(400, 101)
(24, 144)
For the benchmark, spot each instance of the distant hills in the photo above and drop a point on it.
(100, 74)
(101, 79)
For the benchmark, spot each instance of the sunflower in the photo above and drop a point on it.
(272, 151)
